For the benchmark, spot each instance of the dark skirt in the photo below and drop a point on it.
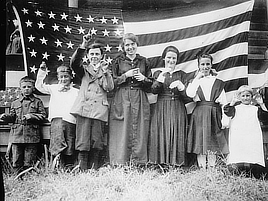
(89, 134)
(168, 132)
(205, 133)
(62, 137)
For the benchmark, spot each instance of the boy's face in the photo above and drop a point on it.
(94, 55)
(245, 97)
(64, 78)
(26, 88)
(205, 66)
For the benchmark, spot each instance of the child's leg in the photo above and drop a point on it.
(83, 159)
(94, 158)
(212, 160)
(68, 154)
(201, 159)
(17, 156)
(30, 155)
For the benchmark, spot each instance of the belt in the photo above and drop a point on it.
(208, 103)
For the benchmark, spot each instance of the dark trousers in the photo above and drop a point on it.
(89, 159)
(24, 155)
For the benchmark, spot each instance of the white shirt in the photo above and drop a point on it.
(206, 84)
(60, 102)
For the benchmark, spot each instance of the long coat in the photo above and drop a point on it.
(26, 131)
(130, 112)
(92, 97)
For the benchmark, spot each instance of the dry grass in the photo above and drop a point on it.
(134, 184)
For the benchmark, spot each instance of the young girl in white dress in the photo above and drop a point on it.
(245, 135)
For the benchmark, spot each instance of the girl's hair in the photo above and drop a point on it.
(244, 88)
(131, 37)
(64, 69)
(170, 49)
(208, 56)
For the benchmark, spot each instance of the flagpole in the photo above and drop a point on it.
(22, 40)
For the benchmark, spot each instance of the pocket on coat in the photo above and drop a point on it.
(117, 111)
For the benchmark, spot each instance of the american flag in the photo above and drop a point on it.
(219, 28)
(52, 34)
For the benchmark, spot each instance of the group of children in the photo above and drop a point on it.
(78, 117)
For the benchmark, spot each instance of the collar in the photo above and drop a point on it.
(64, 88)
(22, 97)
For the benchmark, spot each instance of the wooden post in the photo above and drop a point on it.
(73, 3)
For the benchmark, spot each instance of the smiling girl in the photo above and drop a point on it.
(245, 136)
(205, 137)
(169, 119)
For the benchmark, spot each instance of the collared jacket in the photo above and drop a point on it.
(23, 131)
(92, 97)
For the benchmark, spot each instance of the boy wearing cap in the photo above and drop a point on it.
(26, 114)
(91, 105)
(62, 97)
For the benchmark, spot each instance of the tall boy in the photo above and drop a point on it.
(26, 114)
(63, 124)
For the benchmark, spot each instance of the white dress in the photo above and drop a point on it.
(245, 137)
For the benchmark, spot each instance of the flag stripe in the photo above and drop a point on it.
(173, 35)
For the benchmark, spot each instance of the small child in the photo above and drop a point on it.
(26, 113)
(205, 136)
(245, 135)
(63, 124)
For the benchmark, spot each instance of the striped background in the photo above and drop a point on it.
(219, 28)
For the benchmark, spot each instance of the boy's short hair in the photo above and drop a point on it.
(27, 79)
(64, 69)
(244, 88)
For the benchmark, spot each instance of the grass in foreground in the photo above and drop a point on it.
(132, 184)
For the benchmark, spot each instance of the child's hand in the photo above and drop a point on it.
(177, 84)
(43, 66)
(258, 99)
(86, 39)
(104, 64)
(200, 75)
(138, 75)
(235, 99)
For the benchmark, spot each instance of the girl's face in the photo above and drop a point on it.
(94, 55)
(64, 78)
(130, 47)
(245, 97)
(205, 66)
(170, 60)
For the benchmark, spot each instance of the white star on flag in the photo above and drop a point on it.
(55, 27)
(38, 13)
(60, 57)
(51, 15)
(68, 29)
(94, 31)
(29, 23)
(58, 43)
(33, 53)
(105, 32)
(43, 40)
(45, 55)
(90, 19)
(33, 69)
(64, 16)
(103, 20)
(41, 25)
(119, 48)
(108, 48)
(31, 38)
(70, 45)
(78, 18)
(117, 32)
(115, 20)
(25, 11)
(81, 30)
(109, 60)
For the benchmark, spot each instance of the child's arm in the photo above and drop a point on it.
(41, 75)
(229, 110)
(11, 117)
(39, 116)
